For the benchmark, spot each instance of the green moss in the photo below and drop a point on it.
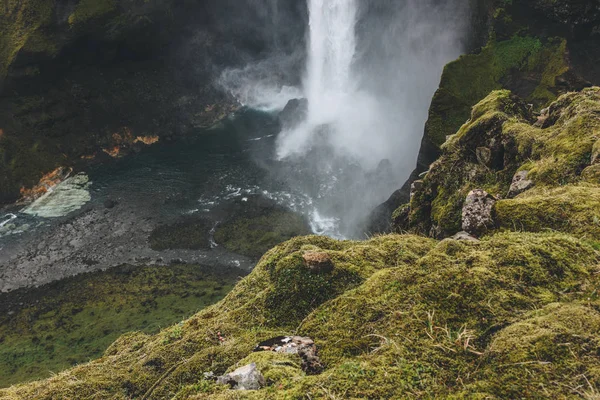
(51, 328)
(574, 209)
(472, 77)
(252, 235)
(552, 348)
(20, 21)
(554, 156)
(91, 9)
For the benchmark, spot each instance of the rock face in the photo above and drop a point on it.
(538, 50)
(294, 112)
(318, 262)
(82, 80)
(247, 377)
(547, 167)
(477, 212)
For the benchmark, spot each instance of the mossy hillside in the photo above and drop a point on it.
(258, 226)
(51, 328)
(549, 348)
(439, 328)
(555, 151)
(569, 208)
(19, 21)
(220, 336)
(472, 77)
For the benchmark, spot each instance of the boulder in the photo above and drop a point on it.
(247, 377)
(293, 113)
(519, 184)
(477, 212)
(318, 262)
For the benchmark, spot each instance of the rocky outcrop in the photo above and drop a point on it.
(536, 49)
(545, 171)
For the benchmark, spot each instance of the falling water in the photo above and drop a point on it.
(331, 51)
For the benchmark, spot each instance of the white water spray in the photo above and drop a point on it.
(331, 52)
(372, 67)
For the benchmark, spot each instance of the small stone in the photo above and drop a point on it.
(110, 203)
(247, 377)
(464, 236)
(519, 184)
(484, 155)
(477, 212)
(318, 262)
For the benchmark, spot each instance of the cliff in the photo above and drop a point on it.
(536, 49)
(513, 313)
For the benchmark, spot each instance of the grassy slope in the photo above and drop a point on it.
(54, 327)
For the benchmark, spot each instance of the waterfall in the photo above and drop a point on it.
(329, 85)
(332, 47)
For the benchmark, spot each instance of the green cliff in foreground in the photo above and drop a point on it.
(513, 314)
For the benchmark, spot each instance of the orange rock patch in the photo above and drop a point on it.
(46, 183)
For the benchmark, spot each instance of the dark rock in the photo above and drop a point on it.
(247, 377)
(477, 212)
(318, 262)
(110, 203)
(520, 184)
(294, 112)
(380, 219)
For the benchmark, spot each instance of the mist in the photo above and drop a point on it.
(368, 70)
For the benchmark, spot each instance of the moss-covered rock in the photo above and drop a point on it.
(554, 151)
(569, 208)
(256, 225)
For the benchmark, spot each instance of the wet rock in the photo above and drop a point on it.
(477, 212)
(247, 377)
(293, 113)
(520, 184)
(484, 155)
(303, 346)
(318, 262)
(110, 203)
(464, 236)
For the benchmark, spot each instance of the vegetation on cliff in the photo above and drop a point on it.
(501, 139)
(515, 314)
